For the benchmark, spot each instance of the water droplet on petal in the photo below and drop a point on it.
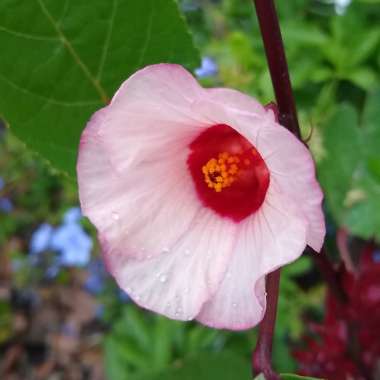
(163, 278)
(165, 250)
(115, 216)
(130, 291)
(234, 305)
(187, 252)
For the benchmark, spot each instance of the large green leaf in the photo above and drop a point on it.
(291, 376)
(221, 366)
(350, 171)
(62, 60)
(288, 376)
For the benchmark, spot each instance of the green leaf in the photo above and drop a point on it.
(289, 376)
(363, 77)
(162, 343)
(296, 32)
(298, 267)
(350, 170)
(342, 147)
(221, 366)
(371, 114)
(368, 44)
(65, 59)
(115, 365)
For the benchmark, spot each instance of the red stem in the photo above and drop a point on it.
(261, 358)
(278, 67)
(275, 53)
(274, 50)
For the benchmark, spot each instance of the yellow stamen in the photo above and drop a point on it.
(222, 172)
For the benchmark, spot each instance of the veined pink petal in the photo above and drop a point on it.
(165, 83)
(151, 115)
(291, 166)
(289, 161)
(275, 235)
(178, 282)
(238, 103)
(133, 209)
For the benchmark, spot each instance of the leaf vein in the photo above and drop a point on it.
(107, 40)
(27, 36)
(101, 92)
(47, 99)
(148, 36)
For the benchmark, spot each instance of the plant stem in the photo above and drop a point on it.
(261, 358)
(287, 115)
(278, 67)
(274, 50)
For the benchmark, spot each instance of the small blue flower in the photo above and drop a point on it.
(72, 215)
(2, 183)
(208, 68)
(6, 205)
(40, 240)
(73, 244)
(97, 275)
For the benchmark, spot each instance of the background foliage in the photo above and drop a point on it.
(62, 60)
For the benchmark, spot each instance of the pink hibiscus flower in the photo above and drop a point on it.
(197, 194)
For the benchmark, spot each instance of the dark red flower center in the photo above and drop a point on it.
(229, 174)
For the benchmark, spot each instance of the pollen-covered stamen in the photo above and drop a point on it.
(222, 172)
(229, 174)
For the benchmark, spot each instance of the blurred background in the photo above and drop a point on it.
(62, 316)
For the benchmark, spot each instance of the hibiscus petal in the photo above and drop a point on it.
(288, 160)
(151, 115)
(292, 167)
(153, 191)
(275, 235)
(236, 102)
(164, 83)
(178, 282)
